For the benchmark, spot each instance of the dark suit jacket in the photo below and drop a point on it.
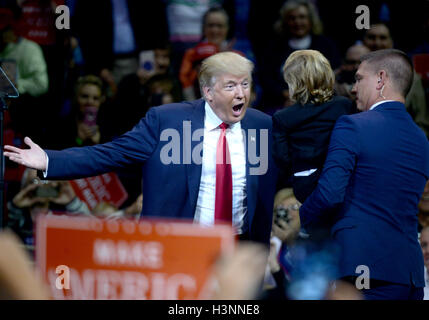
(301, 136)
(171, 190)
(375, 172)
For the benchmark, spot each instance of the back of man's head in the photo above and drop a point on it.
(396, 64)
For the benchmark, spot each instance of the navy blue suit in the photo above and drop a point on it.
(375, 173)
(171, 190)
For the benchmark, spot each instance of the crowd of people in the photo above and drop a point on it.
(223, 64)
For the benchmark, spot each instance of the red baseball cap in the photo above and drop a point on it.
(204, 50)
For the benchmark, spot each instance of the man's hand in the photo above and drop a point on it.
(34, 157)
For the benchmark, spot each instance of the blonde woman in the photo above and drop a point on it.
(301, 132)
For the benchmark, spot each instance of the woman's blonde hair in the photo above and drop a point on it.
(309, 76)
(227, 62)
(88, 79)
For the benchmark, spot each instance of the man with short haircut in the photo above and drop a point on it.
(207, 160)
(375, 172)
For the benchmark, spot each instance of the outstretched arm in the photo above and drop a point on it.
(337, 170)
(34, 157)
(134, 146)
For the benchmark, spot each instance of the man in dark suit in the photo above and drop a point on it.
(375, 173)
(207, 160)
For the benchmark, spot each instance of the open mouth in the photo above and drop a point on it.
(236, 110)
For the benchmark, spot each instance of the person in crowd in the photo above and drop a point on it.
(136, 94)
(111, 46)
(423, 208)
(374, 174)
(40, 197)
(105, 210)
(302, 131)
(37, 23)
(215, 26)
(379, 37)
(83, 128)
(345, 74)
(285, 231)
(190, 67)
(184, 19)
(32, 76)
(29, 74)
(298, 28)
(221, 186)
(424, 243)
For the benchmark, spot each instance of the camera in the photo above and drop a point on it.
(46, 191)
(281, 213)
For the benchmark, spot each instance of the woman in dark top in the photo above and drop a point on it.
(302, 131)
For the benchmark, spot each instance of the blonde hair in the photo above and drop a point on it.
(316, 24)
(227, 62)
(309, 76)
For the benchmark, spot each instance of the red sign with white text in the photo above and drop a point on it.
(104, 188)
(89, 258)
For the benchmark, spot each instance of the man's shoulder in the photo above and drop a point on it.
(177, 110)
(258, 116)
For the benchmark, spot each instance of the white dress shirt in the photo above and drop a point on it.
(378, 103)
(204, 213)
(426, 288)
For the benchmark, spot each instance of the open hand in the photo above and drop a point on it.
(34, 157)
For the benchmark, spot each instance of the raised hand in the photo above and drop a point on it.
(25, 197)
(66, 193)
(34, 157)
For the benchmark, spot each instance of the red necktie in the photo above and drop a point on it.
(223, 201)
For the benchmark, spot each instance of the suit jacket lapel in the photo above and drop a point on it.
(251, 180)
(194, 169)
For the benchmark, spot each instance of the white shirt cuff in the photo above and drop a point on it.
(45, 172)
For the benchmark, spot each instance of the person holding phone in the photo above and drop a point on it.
(80, 127)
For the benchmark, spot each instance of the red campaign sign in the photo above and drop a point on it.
(151, 259)
(104, 188)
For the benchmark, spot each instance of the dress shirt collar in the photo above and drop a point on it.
(212, 121)
(380, 102)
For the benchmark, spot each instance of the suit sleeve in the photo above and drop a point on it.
(338, 168)
(281, 145)
(134, 146)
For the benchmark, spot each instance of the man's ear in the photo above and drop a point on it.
(381, 79)
(208, 94)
